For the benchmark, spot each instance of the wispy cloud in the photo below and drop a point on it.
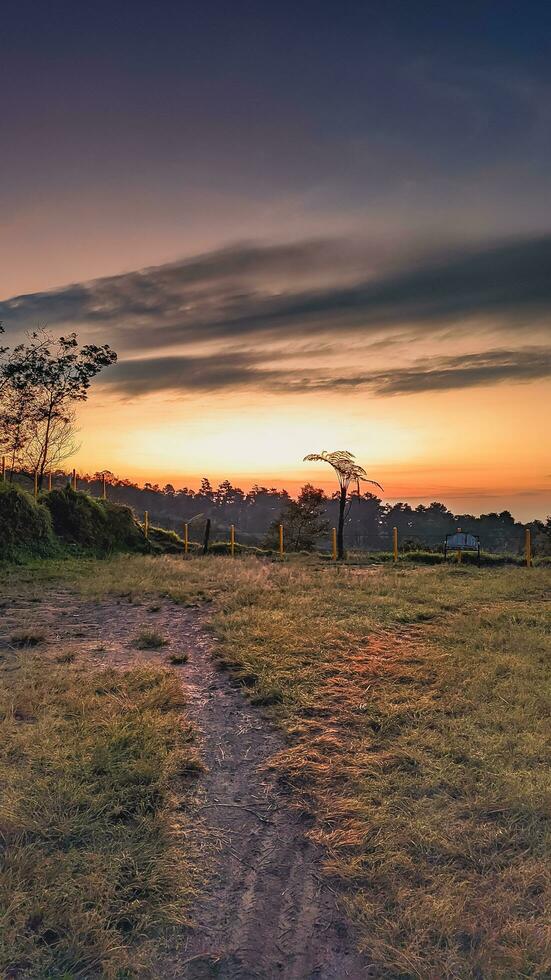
(445, 373)
(245, 369)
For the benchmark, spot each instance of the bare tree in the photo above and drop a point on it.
(348, 472)
(45, 448)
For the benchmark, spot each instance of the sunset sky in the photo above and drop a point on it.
(302, 226)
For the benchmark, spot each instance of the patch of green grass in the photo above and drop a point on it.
(165, 542)
(148, 639)
(97, 864)
(420, 556)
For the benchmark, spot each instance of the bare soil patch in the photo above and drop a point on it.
(265, 911)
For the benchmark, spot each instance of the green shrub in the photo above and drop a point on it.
(165, 542)
(25, 526)
(96, 526)
(169, 543)
(125, 532)
(223, 548)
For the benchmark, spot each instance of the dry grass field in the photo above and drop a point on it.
(416, 705)
(97, 860)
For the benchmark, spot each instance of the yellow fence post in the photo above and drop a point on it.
(103, 488)
(186, 539)
(49, 481)
(528, 547)
(3, 467)
(395, 543)
(36, 484)
(281, 540)
(232, 540)
(146, 524)
(334, 543)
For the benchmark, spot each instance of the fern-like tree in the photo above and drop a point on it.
(349, 472)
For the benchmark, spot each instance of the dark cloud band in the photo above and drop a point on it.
(243, 370)
(249, 292)
(319, 292)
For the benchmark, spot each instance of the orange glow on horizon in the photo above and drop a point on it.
(432, 446)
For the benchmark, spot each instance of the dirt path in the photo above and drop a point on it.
(265, 912)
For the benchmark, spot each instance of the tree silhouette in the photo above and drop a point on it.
(58, 373)
(303, 519)
(348, 471)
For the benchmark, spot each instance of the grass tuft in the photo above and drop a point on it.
(148, 639)
(177, 659)
(66, 657)
(27, 637)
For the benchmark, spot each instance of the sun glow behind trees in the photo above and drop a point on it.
(441, 446)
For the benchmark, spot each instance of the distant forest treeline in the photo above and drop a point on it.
(368, 526)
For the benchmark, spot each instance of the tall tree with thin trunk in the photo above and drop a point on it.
(16, 407)
(45, 448)
(348, 472)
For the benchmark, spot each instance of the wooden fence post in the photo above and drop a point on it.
(232, 540)
(49, 481)
(281, 540)
(104, 488)
(146, 524)
(35, 484)
(395, 543)
(528, 547)
(206, 537)
(334, 543)
(186, 539)
(74, 479)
